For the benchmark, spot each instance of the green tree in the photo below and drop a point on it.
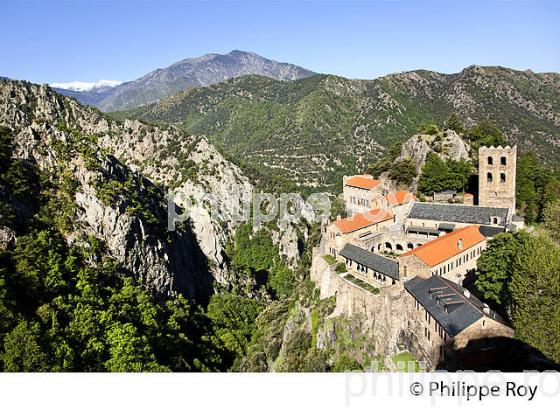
(551, 220)
(6, 148)
(130, 351)
(403, 171)
(485, 133)
(6, 303)
(296, 350)
(438, 175)
(379, 167)
(256, 254)
(43, 266)
(434, 175)
(281, 280)
(495, 267)
(233, 317)
(384, 164)
(454, 123)
(345, 363)
(429, 128)
(535, 293)
(536, 185)
(23, 350)
(459, 173)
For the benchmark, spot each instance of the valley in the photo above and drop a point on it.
(307, 133)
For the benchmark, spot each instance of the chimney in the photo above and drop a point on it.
(467, 293)
(486, 309)
(338, 217)
(460, 244)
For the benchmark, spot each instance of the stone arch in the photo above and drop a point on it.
(489, 177)
(418, 244)
(503, 161)
(399, 247)
(379, 247)
(388, 246)
(490, 161)
(410, 245)
(503, 177)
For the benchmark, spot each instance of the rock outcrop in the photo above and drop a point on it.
(114, 200)
(448, 145)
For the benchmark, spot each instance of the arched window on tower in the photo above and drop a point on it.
(502, 177)
(490, 161)
(503, 161)
(489, 177)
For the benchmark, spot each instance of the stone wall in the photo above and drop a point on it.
(483, 328)
(384, 315)
(411, 265)
(496, 177)
(394, 320)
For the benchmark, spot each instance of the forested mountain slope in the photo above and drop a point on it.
(108, 164)
(311, 131)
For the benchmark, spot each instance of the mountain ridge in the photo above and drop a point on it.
(115, 163)
(187, 73)
(314, 130)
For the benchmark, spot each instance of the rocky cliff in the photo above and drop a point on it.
(448, 145)
(119, 172)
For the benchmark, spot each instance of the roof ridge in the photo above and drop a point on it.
(462, 295)
(441, 238)
(461, 205)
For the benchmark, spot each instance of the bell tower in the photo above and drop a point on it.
(496, 177)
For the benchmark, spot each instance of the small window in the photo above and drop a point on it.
(489, 177)
(502, 177)
(503, 161)
(490, 161)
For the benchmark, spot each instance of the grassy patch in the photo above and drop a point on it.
(329, 259)
(340, 268)
(362, 284)
(406, 362)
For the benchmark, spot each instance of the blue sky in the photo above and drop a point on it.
(88, 41)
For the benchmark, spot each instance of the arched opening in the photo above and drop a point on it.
(502, 177)
(490, 161)
(489, 177)
(388, 246)
(503, 161)
(418, 244)
(399, 247)
(379, 247)
(410, 245)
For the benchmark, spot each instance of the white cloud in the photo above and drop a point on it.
(85, 86)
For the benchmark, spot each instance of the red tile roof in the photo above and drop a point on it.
(362, 181)
(359, 221)
(441, 249)
(400, 197)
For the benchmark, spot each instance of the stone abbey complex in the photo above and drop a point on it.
(405, 265)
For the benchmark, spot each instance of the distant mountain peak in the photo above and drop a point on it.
(188, 73)
(85, 86)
